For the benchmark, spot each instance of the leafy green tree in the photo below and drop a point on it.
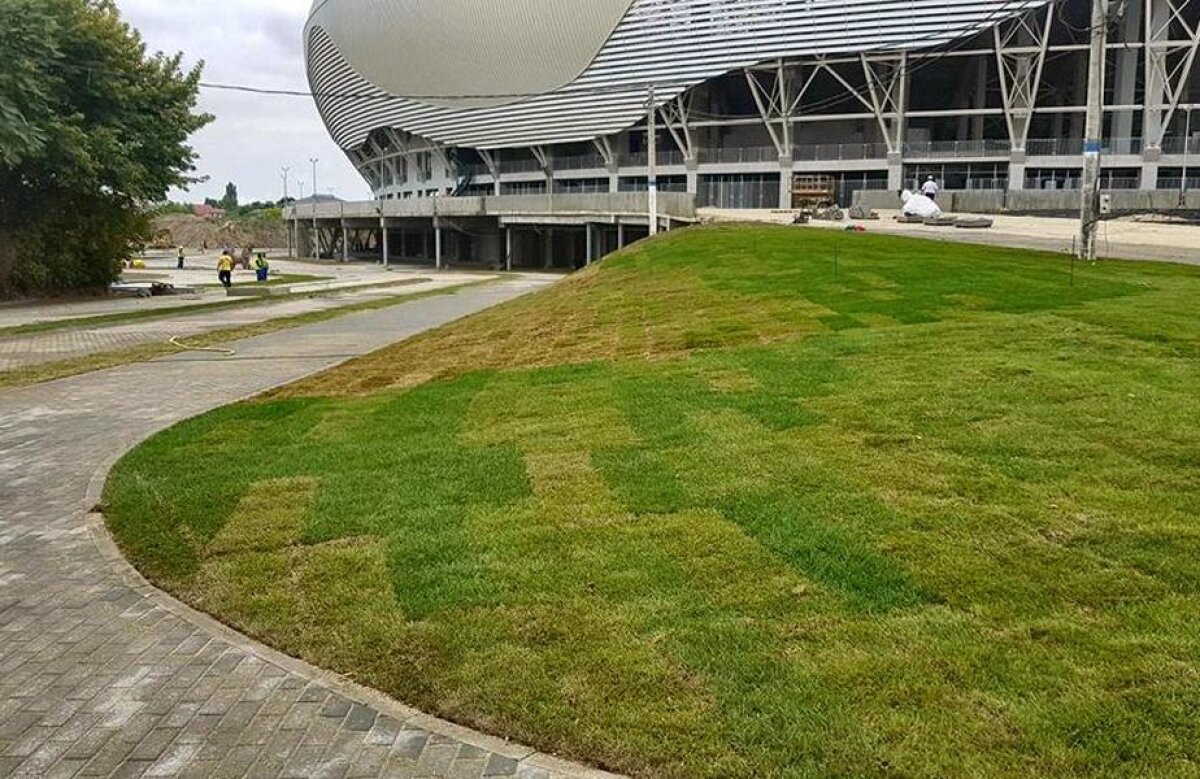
(230, 201)
(92, 127)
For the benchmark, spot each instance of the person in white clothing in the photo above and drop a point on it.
(930, 188)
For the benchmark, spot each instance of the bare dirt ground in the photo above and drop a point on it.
(1118, 239)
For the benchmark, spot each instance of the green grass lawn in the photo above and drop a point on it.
(277, 280)
(714, 509)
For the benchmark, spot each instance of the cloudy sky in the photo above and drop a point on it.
(257, 43)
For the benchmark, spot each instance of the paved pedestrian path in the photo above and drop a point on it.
(102, 675)
(202, 278)
(39, 348)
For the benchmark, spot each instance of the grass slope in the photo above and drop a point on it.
(716, 509)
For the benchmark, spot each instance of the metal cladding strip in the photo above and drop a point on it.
(453, 47)
(673, 44)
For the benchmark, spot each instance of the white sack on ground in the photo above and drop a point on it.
(918, 205)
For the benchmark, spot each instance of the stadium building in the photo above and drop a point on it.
(495, 98)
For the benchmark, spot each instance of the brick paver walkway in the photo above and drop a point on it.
(37, 348)
(102, 675)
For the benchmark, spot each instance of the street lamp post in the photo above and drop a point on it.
(291, 246)
(316, 230)
(652, 159)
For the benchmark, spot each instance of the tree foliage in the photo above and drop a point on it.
(91, 128)
(230, 201)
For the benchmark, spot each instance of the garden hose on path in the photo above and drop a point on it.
(214, 349)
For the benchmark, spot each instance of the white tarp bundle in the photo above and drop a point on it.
(918, 205)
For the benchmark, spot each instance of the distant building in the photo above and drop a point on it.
(317, 198)
(205, 211)
(520, 97)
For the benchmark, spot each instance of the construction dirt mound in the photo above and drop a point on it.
(195, 232)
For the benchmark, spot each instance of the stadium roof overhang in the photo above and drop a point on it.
(508, 73)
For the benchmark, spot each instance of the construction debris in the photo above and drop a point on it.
(974, 223)
(862, 212)
(829, 214)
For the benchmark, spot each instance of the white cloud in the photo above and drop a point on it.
(256, 43)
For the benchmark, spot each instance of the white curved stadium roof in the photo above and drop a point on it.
(507, 73)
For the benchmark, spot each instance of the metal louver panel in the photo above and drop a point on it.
(674, 44)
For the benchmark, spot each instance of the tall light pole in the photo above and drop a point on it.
(316, 230)
(297, 222)
(1093, 140)
(652, 159)
(285, 172)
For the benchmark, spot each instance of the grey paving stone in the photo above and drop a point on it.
(471, 768)
(360, 718)
(100, 675)
(499, 765)
(336, 707)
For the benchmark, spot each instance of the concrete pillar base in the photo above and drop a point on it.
(1150, 175)
(895, 163)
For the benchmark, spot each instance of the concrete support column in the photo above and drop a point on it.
(1156, 97)
(386, 242)
(1016, 171)
(548, 248)
(590, 252)
(1127, 63)
(1150, 163)
(786, 165)
(508, 248)
(620, 236)
(345, 243)
(614, 178)
(980, 92)
(437, 242)
(895, 163)
(693, 175)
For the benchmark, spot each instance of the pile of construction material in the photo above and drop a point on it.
(920, 209)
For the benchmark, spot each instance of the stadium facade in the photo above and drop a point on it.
(523, 97)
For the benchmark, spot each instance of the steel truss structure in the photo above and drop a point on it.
(980, 94)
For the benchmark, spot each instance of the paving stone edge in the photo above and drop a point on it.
(92, 522)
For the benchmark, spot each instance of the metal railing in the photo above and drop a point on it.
(1181, 146)
(578, 162)
(988, 147)
(640, 159)
(818, 152)
(1115, 183)
(985, 184)
(1073, 147)
(1176, 183)
(738, 154)
(519, 165)
(678, 205)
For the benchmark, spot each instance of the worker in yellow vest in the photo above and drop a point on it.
(225, 270)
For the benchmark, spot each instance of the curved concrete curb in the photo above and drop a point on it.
(526, 757)
(103, 674)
